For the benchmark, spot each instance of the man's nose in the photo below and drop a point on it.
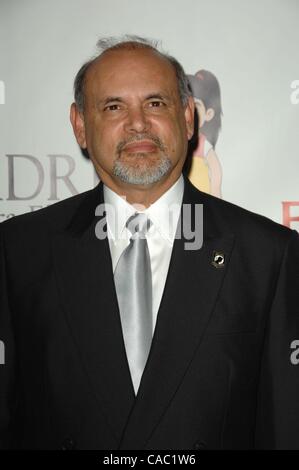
(137, 120)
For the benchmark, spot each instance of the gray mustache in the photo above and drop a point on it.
(137, 138)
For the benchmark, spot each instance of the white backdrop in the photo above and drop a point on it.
(251, 46)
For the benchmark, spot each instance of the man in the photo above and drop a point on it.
(136, 340)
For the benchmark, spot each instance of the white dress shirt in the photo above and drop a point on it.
(164, 215)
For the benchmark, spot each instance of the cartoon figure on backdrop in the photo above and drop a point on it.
(205, 169)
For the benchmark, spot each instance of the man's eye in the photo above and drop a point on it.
(112, 107)
(156, 104)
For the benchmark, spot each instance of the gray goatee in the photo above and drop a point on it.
(140, 175)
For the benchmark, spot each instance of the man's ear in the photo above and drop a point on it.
(189, 117)
(77, 121)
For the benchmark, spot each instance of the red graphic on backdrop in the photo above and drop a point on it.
(287, 218)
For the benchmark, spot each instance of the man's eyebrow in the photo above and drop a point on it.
(118, 99)
(157, 96)
(109, 99)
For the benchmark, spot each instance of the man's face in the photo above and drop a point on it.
(134, 126)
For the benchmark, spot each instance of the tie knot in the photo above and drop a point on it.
(138, 223)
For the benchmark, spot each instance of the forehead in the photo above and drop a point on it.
(131, 71)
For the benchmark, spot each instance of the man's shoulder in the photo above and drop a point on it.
(54, 217)
(241, 221)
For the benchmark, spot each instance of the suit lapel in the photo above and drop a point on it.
(85, 280)
(192, 286)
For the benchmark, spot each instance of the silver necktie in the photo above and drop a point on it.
(133, 283)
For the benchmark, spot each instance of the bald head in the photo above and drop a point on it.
(125, 67)
(129, 43)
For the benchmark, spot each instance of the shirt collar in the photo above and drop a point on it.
(164, 213)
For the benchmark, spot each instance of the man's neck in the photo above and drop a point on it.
(141, 195)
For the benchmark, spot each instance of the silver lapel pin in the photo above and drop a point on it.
(218, 259)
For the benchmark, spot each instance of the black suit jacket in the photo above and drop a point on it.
(219, 374)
